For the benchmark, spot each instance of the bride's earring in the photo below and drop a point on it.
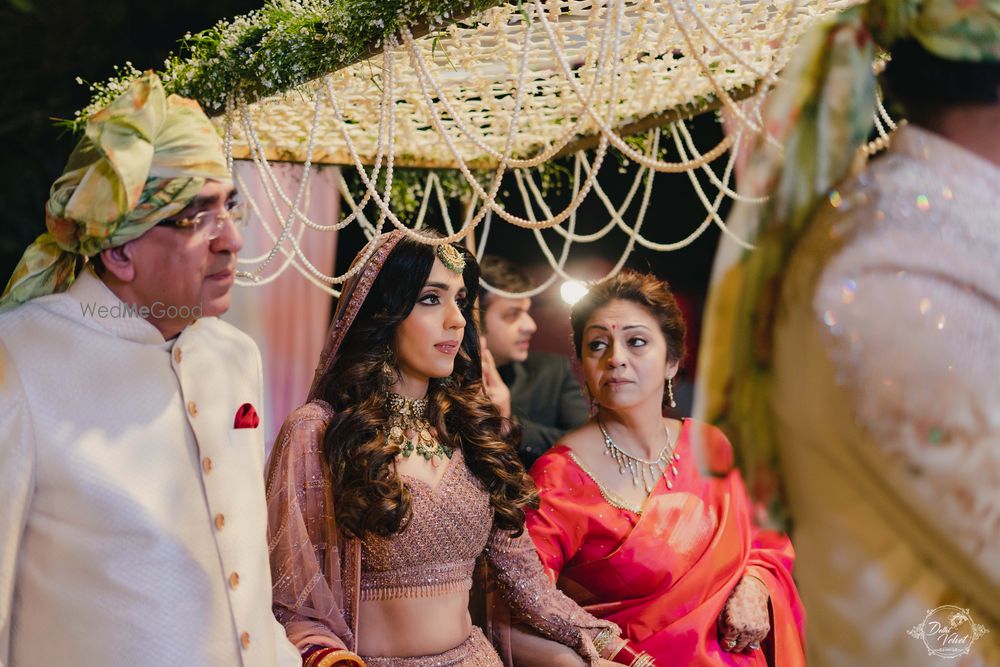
(670, 393)
(388, 371)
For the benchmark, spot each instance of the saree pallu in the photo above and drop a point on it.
(664, 573)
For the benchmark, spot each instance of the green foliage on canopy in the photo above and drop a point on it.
(284, 44)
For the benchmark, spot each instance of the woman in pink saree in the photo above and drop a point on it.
(644, 521)
(394, 483)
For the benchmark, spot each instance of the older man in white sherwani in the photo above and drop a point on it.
(133, 523)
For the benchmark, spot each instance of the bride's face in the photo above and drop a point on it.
(430, 337)
(624, 356)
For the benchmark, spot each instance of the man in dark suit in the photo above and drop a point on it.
(537, 390)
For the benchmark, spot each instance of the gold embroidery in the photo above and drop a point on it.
(610, 496)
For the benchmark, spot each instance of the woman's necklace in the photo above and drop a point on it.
(408, 428)
(648, 472)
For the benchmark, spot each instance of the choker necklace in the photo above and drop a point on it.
(648, 472)
(408, 428)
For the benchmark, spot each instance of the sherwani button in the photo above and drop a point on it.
(245, 639)
(220, 521)
(206, 464)
(192, 408)
(234, 580)
(177, 354)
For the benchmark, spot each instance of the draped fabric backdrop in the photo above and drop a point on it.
(288, 318)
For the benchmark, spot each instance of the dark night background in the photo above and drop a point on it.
(47, 45)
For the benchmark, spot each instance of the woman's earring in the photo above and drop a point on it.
(670, 393)
(591, 400)
(388, 371)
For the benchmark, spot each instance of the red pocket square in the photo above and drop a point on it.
(246, 417)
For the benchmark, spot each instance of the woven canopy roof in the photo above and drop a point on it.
(628, 66)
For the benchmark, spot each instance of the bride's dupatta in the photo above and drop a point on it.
(314, 568)
(664, 575)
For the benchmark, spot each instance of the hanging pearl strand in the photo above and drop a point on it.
(357, 208)
(423, 71)
(706, 29)
(265, 172)
(271, 185)
(713, 208)
(490, 200)
(380, 201)
(615, 217)
(681, 127)
(384, 110)
(713, 211)
(578, 157)
(227, 136)
(633, 232)
(767, 80)
(295, 265)
(727, 100)
(678, 244)
(267, 175)
(345, 192)
(253, 277)
(424, 76)
(607, 133)
(257, 151)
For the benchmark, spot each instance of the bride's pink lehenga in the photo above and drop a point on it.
(320, 575)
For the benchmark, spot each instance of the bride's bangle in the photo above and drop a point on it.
(626, 655)
(603, 640)
(643, 660)
(330, 657)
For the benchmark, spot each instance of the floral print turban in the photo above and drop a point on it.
(142, 159)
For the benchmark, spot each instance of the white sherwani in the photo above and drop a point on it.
(132, 521)
(887, 400)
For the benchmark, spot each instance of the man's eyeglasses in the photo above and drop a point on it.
(212, 222)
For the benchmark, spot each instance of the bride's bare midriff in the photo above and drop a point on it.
(406, 627)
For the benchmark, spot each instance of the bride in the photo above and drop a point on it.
(388, 486)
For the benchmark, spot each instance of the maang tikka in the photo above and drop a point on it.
(452, 259)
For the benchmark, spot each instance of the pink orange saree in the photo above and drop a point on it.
(664, 573)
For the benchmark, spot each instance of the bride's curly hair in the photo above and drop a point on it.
(369, 497)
